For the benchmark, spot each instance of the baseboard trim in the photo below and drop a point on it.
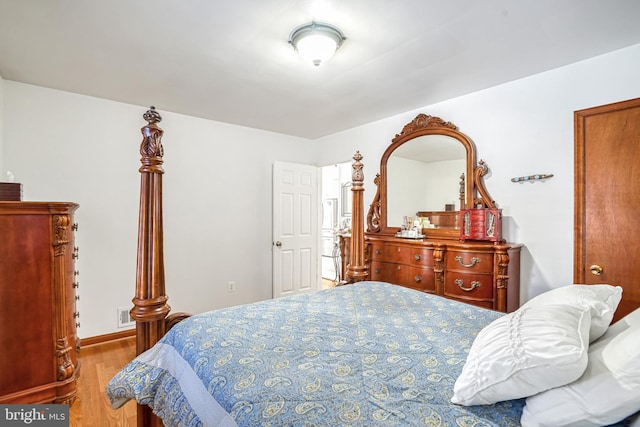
(101, 339)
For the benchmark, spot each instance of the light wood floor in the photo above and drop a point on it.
(326, 283)
(98, 364)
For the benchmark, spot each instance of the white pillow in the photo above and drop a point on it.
(609, 390)
(523, 353)
(602, 300)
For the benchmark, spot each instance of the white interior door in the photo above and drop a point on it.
(295, 229)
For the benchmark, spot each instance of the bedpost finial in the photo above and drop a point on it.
(152, 116)
(357, 176)
(151, 148)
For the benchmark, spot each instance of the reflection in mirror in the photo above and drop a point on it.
(346, 198)
(423, 174)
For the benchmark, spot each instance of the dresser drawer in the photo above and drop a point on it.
(382, 272)
(377, 252)
(412, 255)
(421, 279)
(478, 286)
(389, 272)
(397, 253)
(469, 262)
(422, 257)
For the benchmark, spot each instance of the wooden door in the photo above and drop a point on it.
(607, 199)
(295, 229)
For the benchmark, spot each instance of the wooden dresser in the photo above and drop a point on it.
(39, 360)
(478, 273)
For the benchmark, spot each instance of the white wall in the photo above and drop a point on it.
(520, 128)
(217, 196)
(2, 178)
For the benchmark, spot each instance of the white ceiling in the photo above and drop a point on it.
(229, 60)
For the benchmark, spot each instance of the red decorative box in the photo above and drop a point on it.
(10, 191)
(481, 224)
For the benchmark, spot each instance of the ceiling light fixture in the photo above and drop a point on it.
(316, 42)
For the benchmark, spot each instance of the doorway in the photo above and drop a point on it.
(607, 199)
(336, 216)
(295, 229)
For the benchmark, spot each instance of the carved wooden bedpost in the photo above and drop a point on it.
(357, 271)
(150, 306)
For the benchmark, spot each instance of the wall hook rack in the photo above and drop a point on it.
(536, 177)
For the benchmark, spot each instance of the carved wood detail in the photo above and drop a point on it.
(502, 278)
(373, 216)
(357, 269)
(484, 200)
(423, 121)
(65, 368)
(438, 268)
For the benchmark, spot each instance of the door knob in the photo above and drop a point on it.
(278, 244)
(596, 269)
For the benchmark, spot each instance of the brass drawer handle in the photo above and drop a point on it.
(417, 257)
(460, 283)
(378, 251)
(418, 279)
(474, 261)
(377, 271)
(399, 268)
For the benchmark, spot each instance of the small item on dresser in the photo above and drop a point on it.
(410, 234)
(411, 228)
(10, 191)
(481, 224)
(426, 223)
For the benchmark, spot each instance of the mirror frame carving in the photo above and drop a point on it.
(472, 190)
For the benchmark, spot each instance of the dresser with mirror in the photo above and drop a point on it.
(417, 229)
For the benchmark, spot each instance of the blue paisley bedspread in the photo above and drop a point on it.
(367, 354)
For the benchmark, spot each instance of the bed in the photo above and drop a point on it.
(360, 354)
(366, 353)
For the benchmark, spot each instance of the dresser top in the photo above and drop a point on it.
(37, 208)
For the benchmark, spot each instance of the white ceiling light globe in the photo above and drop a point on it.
(316, 42)
(316, 48)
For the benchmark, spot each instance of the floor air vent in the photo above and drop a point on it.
(124, 318)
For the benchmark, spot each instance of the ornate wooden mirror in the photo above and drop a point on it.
(429, 171)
